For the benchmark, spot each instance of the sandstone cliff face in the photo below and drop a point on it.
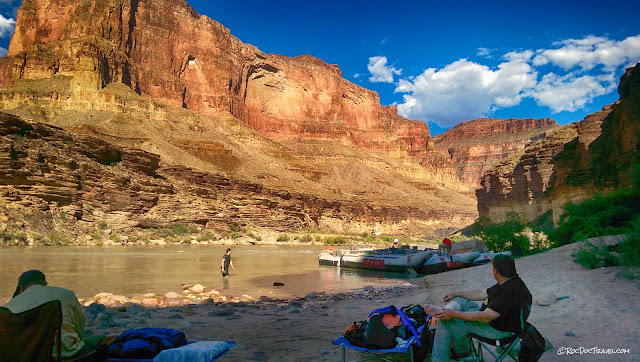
(165, 51)
(591, 156)
(155, 78)
(475, 146)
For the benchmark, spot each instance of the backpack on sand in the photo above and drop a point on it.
(532, 346)
(355, 333)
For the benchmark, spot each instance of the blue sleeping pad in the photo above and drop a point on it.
(145, 342)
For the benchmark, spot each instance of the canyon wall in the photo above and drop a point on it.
(280, 142)
(167, 52)
(475, 146)
(51, 178)
(577, 161)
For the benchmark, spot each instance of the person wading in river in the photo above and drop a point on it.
(226, 262)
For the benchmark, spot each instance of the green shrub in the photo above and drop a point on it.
(96, 236)
(37, 236)
(234, 226)
(254, 236)
(115, 238)
(180, 229)
(235, 235)
(283, 238)
(504, 236)
(335, 240)
(610, 214)
(304, 239)
(102, 225)
(630, 248)
(206, 236)
(592, 256)
(57, 240)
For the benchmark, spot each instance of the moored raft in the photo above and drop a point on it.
(486, 257)
(330, 256)
(439, 263)
(391, 260)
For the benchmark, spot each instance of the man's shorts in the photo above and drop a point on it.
(225, 273)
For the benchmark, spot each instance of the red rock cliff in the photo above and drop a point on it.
(155, 76)
(476, 145)
(166, 51)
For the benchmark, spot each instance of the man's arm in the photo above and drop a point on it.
(484, 316)
(222, 264)
(479, 294)
(231, 264)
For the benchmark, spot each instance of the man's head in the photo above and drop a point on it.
(504, 265)
(28, 279)
(228, 250)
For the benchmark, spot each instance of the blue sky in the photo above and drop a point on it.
(446, 62)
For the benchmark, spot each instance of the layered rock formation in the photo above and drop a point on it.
(475, 146)
(165, 51)
(592, 156)
(51, 176)
(191, 109)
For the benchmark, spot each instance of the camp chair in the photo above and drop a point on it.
(31, 335)
(381, 354)
(504, 346)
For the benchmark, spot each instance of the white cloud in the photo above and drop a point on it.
(357, 75)
(463, 90)
(590, 52)
(384, 41)
(380, 72)
(570, 92)
(7, 26)
(484, 52)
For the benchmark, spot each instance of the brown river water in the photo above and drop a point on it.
(131, 270)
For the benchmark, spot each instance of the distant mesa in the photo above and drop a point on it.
(475, 146)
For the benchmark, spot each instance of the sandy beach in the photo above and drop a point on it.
(602, 310)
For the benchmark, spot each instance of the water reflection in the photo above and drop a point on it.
(225, 285)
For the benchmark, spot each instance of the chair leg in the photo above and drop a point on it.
(476, 352)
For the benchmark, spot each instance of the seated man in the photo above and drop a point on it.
(496, 319)
(32, 291)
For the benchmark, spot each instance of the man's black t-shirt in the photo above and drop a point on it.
(227, 260)
(508, 299)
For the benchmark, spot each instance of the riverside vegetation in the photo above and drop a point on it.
(617, 213)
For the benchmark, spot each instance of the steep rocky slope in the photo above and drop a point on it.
(52, 180)
(177, 87)
(475, 146)
(592, 156)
